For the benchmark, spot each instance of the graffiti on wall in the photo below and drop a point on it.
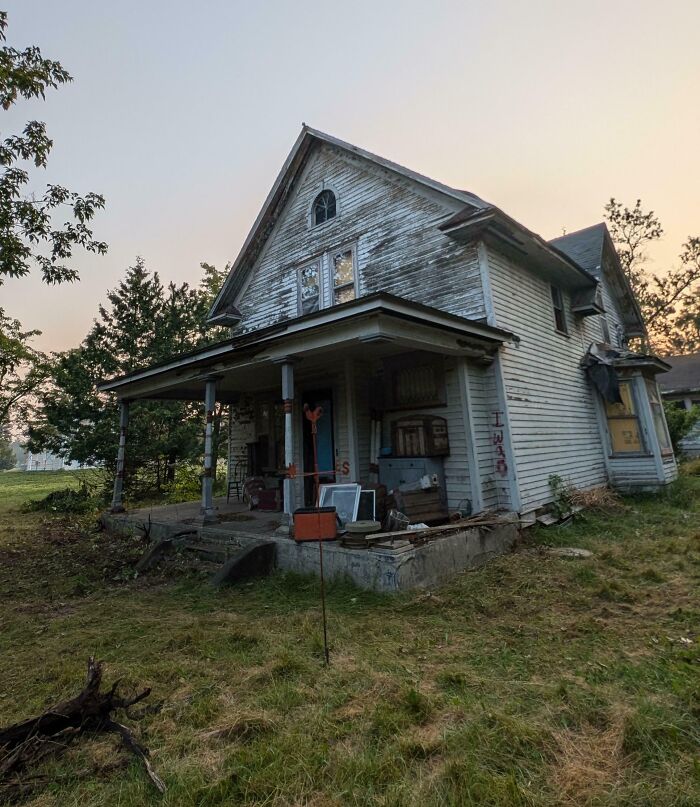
(497, 427)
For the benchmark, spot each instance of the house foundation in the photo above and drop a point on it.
(382, 569)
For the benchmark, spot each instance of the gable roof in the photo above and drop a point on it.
(684, 375)
(589, 247)
(584, 246)
(283, 187)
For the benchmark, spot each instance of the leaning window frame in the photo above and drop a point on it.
(651, 388)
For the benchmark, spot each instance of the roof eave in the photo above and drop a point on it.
(493, 221)
(378, 302)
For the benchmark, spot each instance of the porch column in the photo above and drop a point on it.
(288, 401)
(351, 421)
(477, 495)
(207, 509)
(117, 506)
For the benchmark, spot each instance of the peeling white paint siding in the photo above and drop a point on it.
(550, 403)
(392, 224)
(241, 430)
(482, 386)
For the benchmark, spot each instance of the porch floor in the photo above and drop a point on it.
(380, 569)
(234, 517)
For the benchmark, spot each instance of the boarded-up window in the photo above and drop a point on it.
(414, 380)
(623, 423)
(657, 413)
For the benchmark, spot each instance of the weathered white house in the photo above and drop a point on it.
(439, 335)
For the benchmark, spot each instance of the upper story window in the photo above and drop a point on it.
(559, 314)
(328, 280)
(310, 288)
(324, 207)
(343, 277)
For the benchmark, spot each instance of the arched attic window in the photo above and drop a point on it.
(324, 208)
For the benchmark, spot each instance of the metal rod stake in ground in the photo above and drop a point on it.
(313, 417)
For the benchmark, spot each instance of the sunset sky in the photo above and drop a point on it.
(182, 114)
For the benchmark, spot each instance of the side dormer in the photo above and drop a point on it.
(592, 248)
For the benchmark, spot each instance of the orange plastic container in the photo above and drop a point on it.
(315, 524)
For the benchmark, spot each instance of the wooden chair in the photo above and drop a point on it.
(237, 477)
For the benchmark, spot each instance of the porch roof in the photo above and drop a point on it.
(376, 325)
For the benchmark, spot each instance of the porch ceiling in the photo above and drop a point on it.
(369, 328)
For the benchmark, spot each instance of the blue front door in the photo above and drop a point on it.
(325, 444)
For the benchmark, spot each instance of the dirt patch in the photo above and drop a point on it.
(589, 762)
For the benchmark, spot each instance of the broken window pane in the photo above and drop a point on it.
(343, 277)
(342, 268)
(309, 288)
(345, 294)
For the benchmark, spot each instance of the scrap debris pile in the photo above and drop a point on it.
(418, 535)
(369, 516)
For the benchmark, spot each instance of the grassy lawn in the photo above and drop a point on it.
(537, 680)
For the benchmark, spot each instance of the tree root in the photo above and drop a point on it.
(30, 741)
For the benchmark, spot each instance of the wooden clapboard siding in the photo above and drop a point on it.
(241, 429)
(482, 387)
(670, 469)
(633, 472)
(391, 221)
(551, 408)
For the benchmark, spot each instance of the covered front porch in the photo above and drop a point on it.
(406, 392)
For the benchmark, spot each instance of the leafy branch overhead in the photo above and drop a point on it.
(28, 234)
(670, 302)
(23, 369)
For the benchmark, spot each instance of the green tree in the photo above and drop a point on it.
(23, 369)
(143, 323)
(670, 302)
(28, 234)
(680, 423)
(7, 455)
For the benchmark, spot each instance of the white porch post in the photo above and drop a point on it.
(477, 495)
(288, 401)
(207, 509)
(351, 421)
(117, 505)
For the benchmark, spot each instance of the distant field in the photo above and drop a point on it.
(18, 487)
(536, 681)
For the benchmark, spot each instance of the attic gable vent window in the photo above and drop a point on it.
(324, 208)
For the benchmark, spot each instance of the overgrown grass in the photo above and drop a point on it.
(537, 680)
